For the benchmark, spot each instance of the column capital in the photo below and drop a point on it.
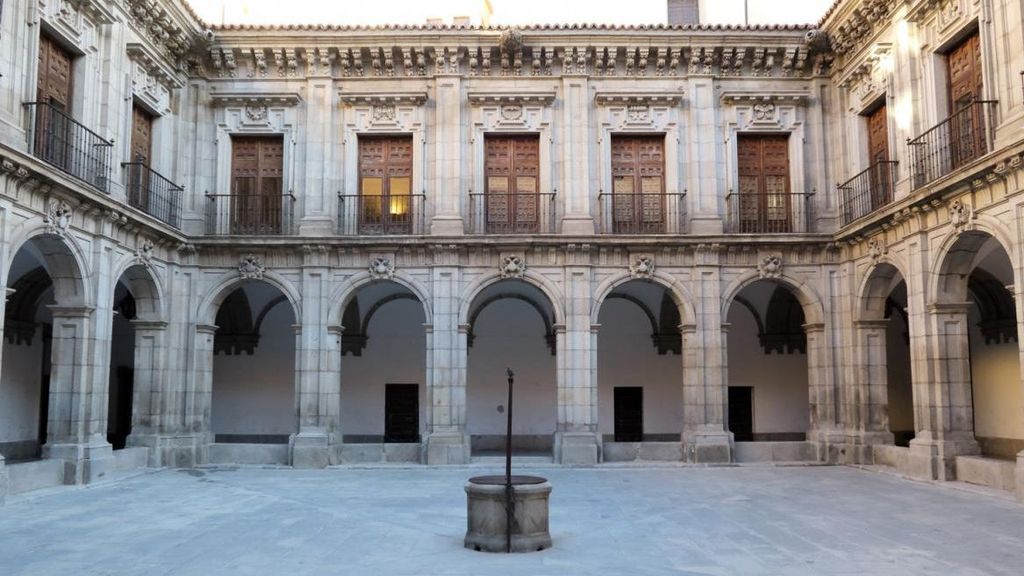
(948, 307)
(687, 328)
(60, 311)
(207, 328)
(149, 324)
(813, 328)
(872, 324)
(335, 330)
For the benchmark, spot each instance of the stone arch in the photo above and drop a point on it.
(65, 263)
(875, 288)
(343, 295)
(675, 289)
(814, 312)
(207, 311)
(145, 288)
(956, 258)
(548, 288)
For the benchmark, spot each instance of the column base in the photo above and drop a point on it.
(447, 226)
(706, 224)
(447, 448)
(1019, 475)
(317, 226)
(932, 459)
(829, 445)
(577, 448)
(170, 450)
(860, 445)
(310, 450)
(710, 446)
(578, 226)
(84, 463)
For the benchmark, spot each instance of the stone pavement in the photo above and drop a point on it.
(375, 522)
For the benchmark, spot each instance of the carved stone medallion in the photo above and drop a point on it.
(770, 267)
(643, 267)
(382, 268)
(512, 267)
(250, 268)
(256, 113)
(57, 218)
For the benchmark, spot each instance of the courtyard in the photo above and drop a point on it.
(411, 520)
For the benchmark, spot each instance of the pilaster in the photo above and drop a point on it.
(319, 387)
(576, 440)
(446, 441)
(448, 150)
(575, 157)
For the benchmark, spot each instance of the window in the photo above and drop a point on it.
(385, 185)
(764, 195)
(638, 184)
(257, 169)
(512, 170)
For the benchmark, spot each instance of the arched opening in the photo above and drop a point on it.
(383, 374)
(122, 368)
(43, 275)
(254, 395)
(899, 378)
(511, 325)
(640, 392)
(997, 395)
(768, 397)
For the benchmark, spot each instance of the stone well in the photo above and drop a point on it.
(486, 517)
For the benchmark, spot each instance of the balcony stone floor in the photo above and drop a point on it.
(606, 520)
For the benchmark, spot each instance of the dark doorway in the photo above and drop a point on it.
(741, 413)
(629, 414)
(401, 413)
(121, 413)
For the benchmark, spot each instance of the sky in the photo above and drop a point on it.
(504, 11)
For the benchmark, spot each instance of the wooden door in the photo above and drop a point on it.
(141, 148)
(638, 184)
(512, 169)
(385, 185)
(53, 94)
(401, 413)
(764, 196)
(741, 413)
(257, 169)
(966, 129)
(629, 414)
(878, 152)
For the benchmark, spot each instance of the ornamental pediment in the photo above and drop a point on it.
(255, 99)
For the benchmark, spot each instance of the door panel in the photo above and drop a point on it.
(629, 413)
(741, 413)
(257, 169)
(966, 129)
(638, 184)
(512, 170)
(401, 413)
(385, 172)
(764, 195)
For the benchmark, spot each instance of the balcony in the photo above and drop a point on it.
(58, 139)
(517, 213)
(153, 194)
(640, 213)
(867, 191)
(396, 214)
(250, 214)
(762, 213)
(954, 142)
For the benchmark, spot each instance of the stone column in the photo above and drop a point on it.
(149, 397)
(576, 439)
(870, 418)
(446, 441)
(705, 371)
(448, 147)
(575, 148)
(703, 182)
(76, 430)
(318, 388)
(824, 432)
(200, 398)
(1020, 476)
(943, 411)
(317, 198)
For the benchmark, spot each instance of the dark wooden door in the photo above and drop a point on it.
(512, 169)
(385, 185)
(142, 135)
(257, 169)
(741, 413)
(53, 92)
(401, 413)
(638, 184)
(878, 152)
(764, 195)
(629, 414)
(966, 129)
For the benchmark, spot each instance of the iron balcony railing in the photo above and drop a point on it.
(153, 194)
(250, 214)
(518, 213)
(956, 141)
(762, 213)
(639, 213)
(58, 139)
(380, 215)
(867, 191)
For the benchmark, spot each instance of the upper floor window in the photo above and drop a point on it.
(54, 83)
(385, 203)
(512, 176)
(764, 200)
(257, 170)
(638, 184)
(142, 136)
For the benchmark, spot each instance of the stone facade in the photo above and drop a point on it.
(323, 89)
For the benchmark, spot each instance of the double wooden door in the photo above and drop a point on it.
(765, 204)
(638, 184)
(512, 195)
(141, 152)
(53, 94)
(878, 152)
(385, 185)
(257, 169)
(967, 127)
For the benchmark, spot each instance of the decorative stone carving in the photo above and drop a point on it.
(383, 112)
(817, 40)
(382, 268)
(57, 218)
(638, 113)
(764, 111)
(512, 112)
(960, 214)
(256, 113)
(877, 248)
(250, 268)
(144, 253)
(512, 267)
(511, 41)
(642, 267)
(770, 267)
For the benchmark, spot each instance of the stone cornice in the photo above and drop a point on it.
(637, 97)
(797, 97)
(254, 98)
(415, 98)
(520, 97)
(154, 64)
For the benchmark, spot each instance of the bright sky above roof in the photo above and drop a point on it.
(502, 11)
